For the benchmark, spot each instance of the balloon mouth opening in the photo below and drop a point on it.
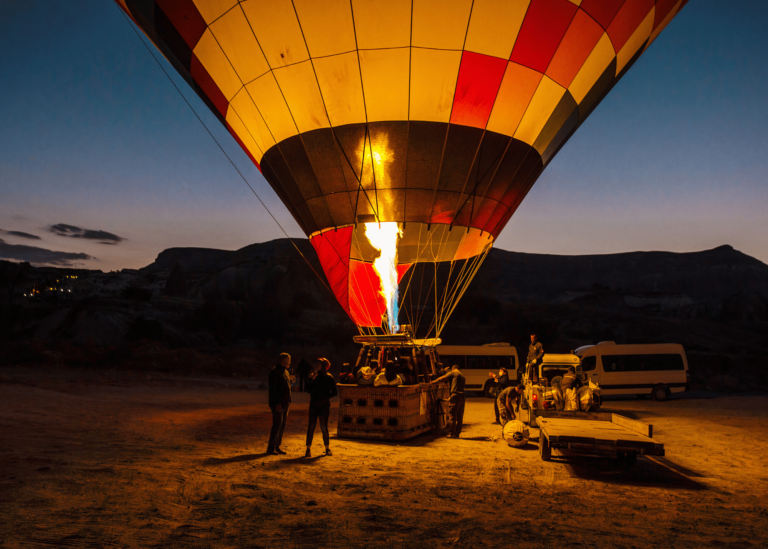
(384, 238)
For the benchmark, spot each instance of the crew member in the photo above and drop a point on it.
(508, 403)
(456, 400)
(570, 385)
(279, 401)
(501, 381)
(535, 352)
(570, 380)
(322, 388)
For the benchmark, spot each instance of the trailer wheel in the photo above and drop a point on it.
(544, 450)
(660, 393)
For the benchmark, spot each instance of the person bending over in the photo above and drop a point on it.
(456, 400)
(508, 403)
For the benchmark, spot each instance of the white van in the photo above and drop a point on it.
(475, 361)
(653, 369)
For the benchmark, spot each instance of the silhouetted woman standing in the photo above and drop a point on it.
(322, 388)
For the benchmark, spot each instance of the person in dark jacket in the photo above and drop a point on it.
(279, 402)
(456, 400)
(535, 352)
(322, 388)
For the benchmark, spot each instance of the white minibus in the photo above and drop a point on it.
(651, 369)
(475, 361)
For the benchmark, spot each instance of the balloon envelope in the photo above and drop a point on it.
(438, 115)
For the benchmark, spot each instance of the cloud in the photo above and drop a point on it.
(71, 231)
(41, 256)
(21, 234)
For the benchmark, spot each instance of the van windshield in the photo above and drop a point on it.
(552, 371)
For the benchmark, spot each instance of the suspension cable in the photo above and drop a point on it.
(222, 148)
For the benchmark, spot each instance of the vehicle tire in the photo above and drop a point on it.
(544, 450)
(491, 389)
(641, 397)
(660, 393)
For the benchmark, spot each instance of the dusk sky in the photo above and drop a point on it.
(103, 163)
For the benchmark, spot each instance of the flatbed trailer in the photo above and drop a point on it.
(596, 434)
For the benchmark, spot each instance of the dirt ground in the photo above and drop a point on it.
(103, 460)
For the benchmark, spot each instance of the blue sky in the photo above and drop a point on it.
(95, 137)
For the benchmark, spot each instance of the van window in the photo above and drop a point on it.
(450, 360)
(642, 363)
(490, 363)
(589, 363)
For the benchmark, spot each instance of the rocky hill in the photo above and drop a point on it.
(229, 312)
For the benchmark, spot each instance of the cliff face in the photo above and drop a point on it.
(266, 297)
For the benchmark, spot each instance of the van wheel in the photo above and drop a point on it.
(660, 393)
(491, 389)
(544, 450)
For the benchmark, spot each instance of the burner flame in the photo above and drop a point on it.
(384, 237)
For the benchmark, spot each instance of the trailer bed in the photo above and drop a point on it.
(605, 434)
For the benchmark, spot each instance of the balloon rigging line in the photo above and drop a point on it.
(223, 151)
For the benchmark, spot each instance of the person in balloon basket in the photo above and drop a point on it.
(279, 385)
(456, 400)
(508, 403)
(535, 352)
(322, 388)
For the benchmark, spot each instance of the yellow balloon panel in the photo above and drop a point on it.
(243, 132)
(494, 26)
(218, 66)
(234, 35)
(385, 83)
(267, 96)
(340, 85)
(245, 110)
(382, 24)
(433, 83)
(316, 18)
(299, 87)
(440, 23)
(277, 30)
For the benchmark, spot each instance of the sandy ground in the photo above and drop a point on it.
(102, 461)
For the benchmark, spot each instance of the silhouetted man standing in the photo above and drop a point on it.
(456, 400)
(279, 402)
(535, 352)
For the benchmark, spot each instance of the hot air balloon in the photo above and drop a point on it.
(401, 134)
